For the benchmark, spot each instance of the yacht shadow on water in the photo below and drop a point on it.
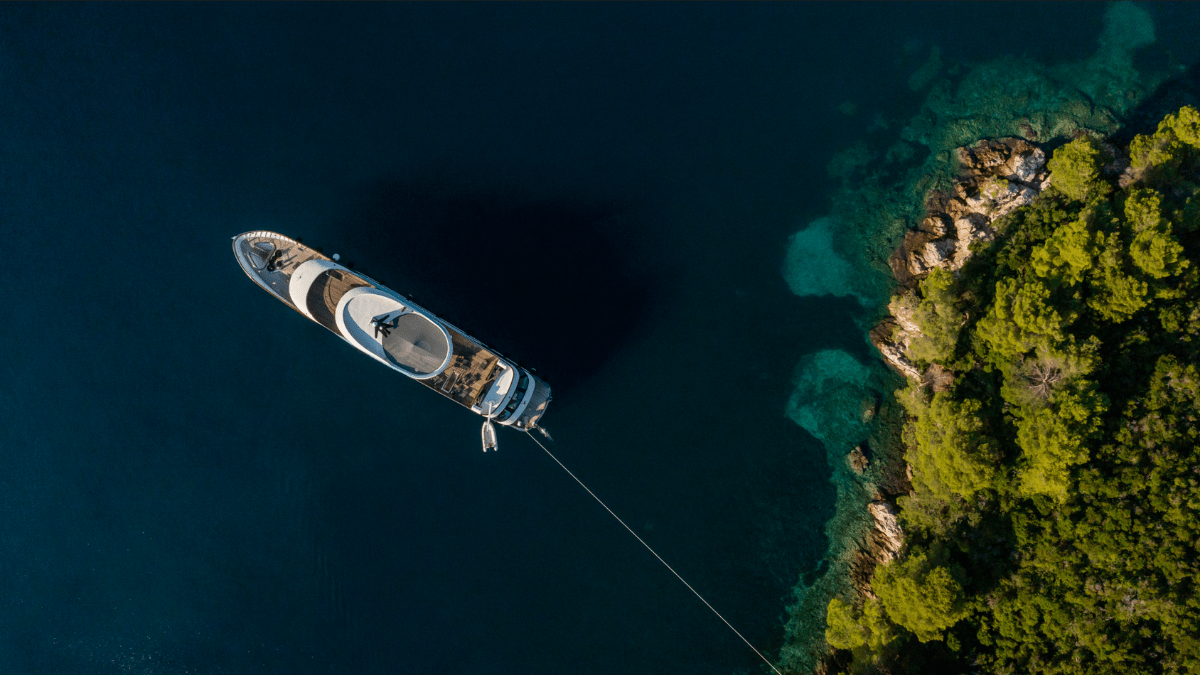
(550, 283)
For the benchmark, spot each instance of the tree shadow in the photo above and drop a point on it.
(548, 282)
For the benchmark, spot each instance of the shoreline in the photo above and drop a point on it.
(1055, 391)
(916, 206)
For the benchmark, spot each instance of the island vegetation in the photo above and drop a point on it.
(1053, 523)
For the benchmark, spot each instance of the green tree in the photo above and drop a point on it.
(923, 598)
(1020, 319)
(1075, 169)
(1054, 438)
(953, 454)
(1154, 250)
(1164, 149)
(1046, 372)
(1143, 209)
(849, 629)
(1186, 125)
(939, 318)
(1116, 293)
(1067, 255)
(1157, 253)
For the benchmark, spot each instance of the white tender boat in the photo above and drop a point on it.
(394, 331)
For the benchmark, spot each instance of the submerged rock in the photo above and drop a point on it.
(830, 385)
(925, 76)
(813, 266)
(857, 460)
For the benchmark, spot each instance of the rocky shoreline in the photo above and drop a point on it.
(995, 178)
(914, 193)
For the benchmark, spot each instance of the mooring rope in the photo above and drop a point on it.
(656, 555)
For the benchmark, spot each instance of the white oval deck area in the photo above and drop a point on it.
(392, 332)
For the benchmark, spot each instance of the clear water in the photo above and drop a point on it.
(194, 479)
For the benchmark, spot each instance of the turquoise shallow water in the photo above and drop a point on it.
(195, 479)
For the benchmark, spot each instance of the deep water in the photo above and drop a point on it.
(194, 479)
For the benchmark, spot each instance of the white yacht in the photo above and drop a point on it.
(394, 331)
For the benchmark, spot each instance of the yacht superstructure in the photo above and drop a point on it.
(393, 330)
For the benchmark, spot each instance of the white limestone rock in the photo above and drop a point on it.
(933, 254)
(1000, 197)
(1025, 167)
(969, 230)
(902, 308)
(894, 347)
(1012, 198)
(889, 535)
(893, 355)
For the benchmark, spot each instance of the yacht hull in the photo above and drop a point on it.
(393, 330)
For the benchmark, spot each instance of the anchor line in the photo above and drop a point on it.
(652, 551)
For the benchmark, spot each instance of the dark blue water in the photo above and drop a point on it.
(194, 479)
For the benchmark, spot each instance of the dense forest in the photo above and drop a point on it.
(1053, 519)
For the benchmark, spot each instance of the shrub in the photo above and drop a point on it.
(1075, 169)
